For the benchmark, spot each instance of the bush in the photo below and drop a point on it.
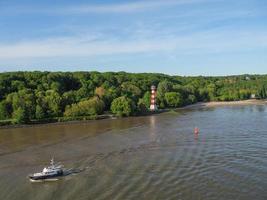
(93, 106)
(122, 106)
(5, 122)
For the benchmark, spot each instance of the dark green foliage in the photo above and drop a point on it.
(122, 106)
(31, 96)
(262, 92)
(142, 107)
(5, 110)
(54, 102)
(130, 90)
(173, 99)
(40, 112)
(146, 99)
(191, 99)
(163, 87)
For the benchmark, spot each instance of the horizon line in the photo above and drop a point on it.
(128, 72)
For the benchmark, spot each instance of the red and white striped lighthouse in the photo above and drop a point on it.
(153, 105)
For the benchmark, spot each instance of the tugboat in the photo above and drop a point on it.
(48, 173)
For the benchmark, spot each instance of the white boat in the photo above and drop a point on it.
(49, 173)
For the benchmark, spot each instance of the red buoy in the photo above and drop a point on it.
(196, 130)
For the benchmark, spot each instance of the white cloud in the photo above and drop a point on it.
(101, 8)
(75, 47)
(199, 43)
(182, 33)
(126, 7)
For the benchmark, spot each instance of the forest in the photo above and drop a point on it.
(30, 97)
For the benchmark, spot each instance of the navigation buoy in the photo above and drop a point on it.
(196, 130)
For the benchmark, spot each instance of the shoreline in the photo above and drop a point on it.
(225, 103)
(197, 105)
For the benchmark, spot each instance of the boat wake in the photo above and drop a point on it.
(71, 171)
(44, 180)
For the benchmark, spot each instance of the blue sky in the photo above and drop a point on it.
(183, 37)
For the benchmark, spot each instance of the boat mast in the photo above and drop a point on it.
(52, 162)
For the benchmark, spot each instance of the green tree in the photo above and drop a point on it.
(191, 99)
(262, 93)
(93, 106)
(5, 110)
(173, 99)
(19, 116)
(23, 99)
(69, 98)
(130, 90)
(203, 94)
(244, 94)
(146, 99)
(56, 86)
(17, 85)
(142, 108)
(48, 94)
(211, 88)
(122, 106)
(40, 112)
(87, 90)
(54, 101)
(163, 87)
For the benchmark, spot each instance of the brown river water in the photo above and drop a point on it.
(152, 157)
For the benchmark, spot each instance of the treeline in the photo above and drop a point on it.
(35, 96)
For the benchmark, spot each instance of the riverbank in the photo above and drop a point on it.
(59, 120)
(225, 103)
(110, 116)
(81, 119)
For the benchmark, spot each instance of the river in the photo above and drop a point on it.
(152, 157)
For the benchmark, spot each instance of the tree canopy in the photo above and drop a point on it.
(31, 96)
(123, 106)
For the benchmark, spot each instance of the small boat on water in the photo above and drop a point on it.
(49, 173)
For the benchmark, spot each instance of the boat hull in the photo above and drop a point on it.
(44, 177)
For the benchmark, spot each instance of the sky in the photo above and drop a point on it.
(176, 37)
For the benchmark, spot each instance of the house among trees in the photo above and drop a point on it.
(253, 96)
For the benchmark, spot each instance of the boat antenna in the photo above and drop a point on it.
(52, 161)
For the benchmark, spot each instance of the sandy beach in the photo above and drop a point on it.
(226, 103)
